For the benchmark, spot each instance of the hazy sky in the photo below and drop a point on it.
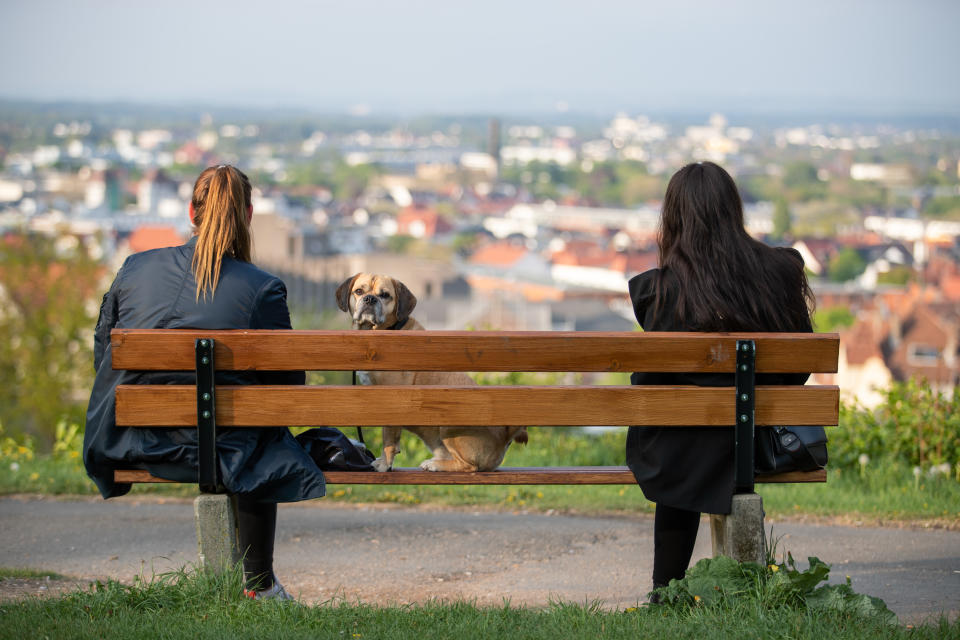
(871, 56)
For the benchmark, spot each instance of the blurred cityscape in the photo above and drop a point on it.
(510, 223)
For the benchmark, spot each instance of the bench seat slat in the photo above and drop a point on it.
(175, 405)
(173, 350)
(502, 476)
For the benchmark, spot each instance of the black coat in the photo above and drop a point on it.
(683, 467)
(157, 290)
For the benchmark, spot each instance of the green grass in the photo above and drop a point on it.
(7, 573)
(883, 491)
(887, 492)
(196, 605)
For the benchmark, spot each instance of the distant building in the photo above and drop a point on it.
(914, 229)
(422, 222)
(189, 153)
(10, 190)
(503, 268)
(862, 373)
(480, 162)
(886, 173)
(521, 155)
(922, 341)
(507, 256)
(493, 143)
(154, 190)
(591, 266)
(926, 344)
(643, 221)
(816, 253)
(881, 260)
(104, 189)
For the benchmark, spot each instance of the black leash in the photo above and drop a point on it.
(396, 325)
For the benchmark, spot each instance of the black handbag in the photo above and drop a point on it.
(782, 449)
(332, 450)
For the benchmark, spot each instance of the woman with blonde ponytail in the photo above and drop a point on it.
(221, 211)
(208, 283)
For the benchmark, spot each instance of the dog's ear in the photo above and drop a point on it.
(344, 291)
(406, 301)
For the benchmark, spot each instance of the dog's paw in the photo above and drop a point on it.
(430, 465)
(380, 465)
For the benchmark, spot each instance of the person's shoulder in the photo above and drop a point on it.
(643, 284)
(151, 254)
(788, 257)
(789, 251)
(150, 258)
(643, 291)
(249, 273)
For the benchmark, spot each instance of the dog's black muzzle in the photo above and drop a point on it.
(369, 311)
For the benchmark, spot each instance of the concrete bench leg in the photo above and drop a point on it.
(740, 535)
(216, 517)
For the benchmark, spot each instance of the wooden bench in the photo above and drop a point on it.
(745, 405)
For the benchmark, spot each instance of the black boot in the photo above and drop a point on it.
(654, 596)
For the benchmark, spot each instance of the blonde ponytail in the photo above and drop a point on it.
(221, 200)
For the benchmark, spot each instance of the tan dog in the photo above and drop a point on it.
(383, 303)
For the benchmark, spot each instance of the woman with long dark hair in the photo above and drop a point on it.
(712, 276)
(208, 283)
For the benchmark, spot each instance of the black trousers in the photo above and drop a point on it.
(674, 535)
(257, 526)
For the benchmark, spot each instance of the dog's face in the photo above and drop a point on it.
(375, 301)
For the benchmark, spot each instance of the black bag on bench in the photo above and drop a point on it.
(332, 450)
(782, 449)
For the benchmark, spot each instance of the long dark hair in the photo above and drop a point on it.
(727, 280)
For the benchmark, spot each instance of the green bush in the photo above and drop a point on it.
(51, 290)
(846, 265)
(915, 425)
(833, 319)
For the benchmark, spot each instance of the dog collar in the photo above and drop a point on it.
(397, 325)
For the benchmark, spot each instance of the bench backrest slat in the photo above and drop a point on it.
(173, 350)
(171, 405)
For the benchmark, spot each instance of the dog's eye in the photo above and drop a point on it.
(385, 295)
(358, 292)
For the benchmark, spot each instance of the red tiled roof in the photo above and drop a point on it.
(862, 341)
(950, 287)
(151, 237)
(433, 222)
(587, 254)
(499, 254)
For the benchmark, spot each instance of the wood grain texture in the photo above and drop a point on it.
(503, 476)
(175, 405)
(172, 349)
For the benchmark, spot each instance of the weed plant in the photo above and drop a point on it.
(721, 582)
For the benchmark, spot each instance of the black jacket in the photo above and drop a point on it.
(683, 467)
(157, 290)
